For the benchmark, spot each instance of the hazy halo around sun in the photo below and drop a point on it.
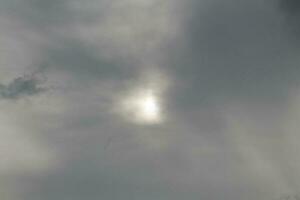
(143, 107)
(143, 102)
(149, 107)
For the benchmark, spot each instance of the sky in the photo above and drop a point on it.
(149, 99)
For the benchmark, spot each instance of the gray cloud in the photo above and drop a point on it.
(291, 10)
(21, 87)
(232, 104)
(237, 49)
(291, 6)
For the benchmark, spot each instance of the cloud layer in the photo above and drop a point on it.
(226, 72)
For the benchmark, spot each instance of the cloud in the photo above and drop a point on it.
(291, 11)
(237, 49)
(290, 6)
(230, 66)
(20, 87)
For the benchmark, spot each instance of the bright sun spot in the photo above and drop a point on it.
(149, 108)
(143, 107)
(143, 103)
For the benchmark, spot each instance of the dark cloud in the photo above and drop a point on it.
(21, 87)
(291, 10)
(233, 49)
(290, 6)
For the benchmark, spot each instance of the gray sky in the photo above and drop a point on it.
(149, 99)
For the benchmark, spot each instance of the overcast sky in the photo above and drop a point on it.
(149, 99)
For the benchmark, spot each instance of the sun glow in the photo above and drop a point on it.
(144, 101)
(143, 107)
(149, 107)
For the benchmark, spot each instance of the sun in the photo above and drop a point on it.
(143, 107)
(149, 108)
(143, 102)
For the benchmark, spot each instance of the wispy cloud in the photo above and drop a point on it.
(21, 87)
